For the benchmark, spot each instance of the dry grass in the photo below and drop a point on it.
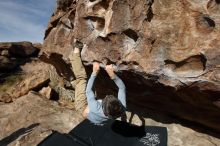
(10, 81)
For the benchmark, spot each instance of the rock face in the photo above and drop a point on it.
(167, 52)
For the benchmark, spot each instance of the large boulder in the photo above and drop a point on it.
(167, 52)
(7, 64)
(13, 54)
(34, 76)
(20, 49)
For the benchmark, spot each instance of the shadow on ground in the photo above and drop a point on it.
(15, 135)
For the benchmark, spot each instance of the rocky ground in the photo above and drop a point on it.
(31, 118)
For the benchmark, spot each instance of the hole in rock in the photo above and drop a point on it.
(105, 39)
(96, 22)
(54, 96)
(131, 34)
(150, 13)
(64, 4)
(217, 1)
(204, 23)
(103, 4)
(193, 63)
(209, 22)
(130, 63)
(55, 22)
(41, 85)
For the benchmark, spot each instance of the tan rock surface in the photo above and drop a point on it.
(32, 75)
(30, 119)
(35, 77)
(46, 92)
(5, 97)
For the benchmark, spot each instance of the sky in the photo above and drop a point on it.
(24, 20)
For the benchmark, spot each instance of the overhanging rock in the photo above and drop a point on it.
(168, 51)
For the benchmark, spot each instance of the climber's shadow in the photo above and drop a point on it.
(129, 130)
(15, 135)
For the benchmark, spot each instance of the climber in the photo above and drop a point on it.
(97, 111)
